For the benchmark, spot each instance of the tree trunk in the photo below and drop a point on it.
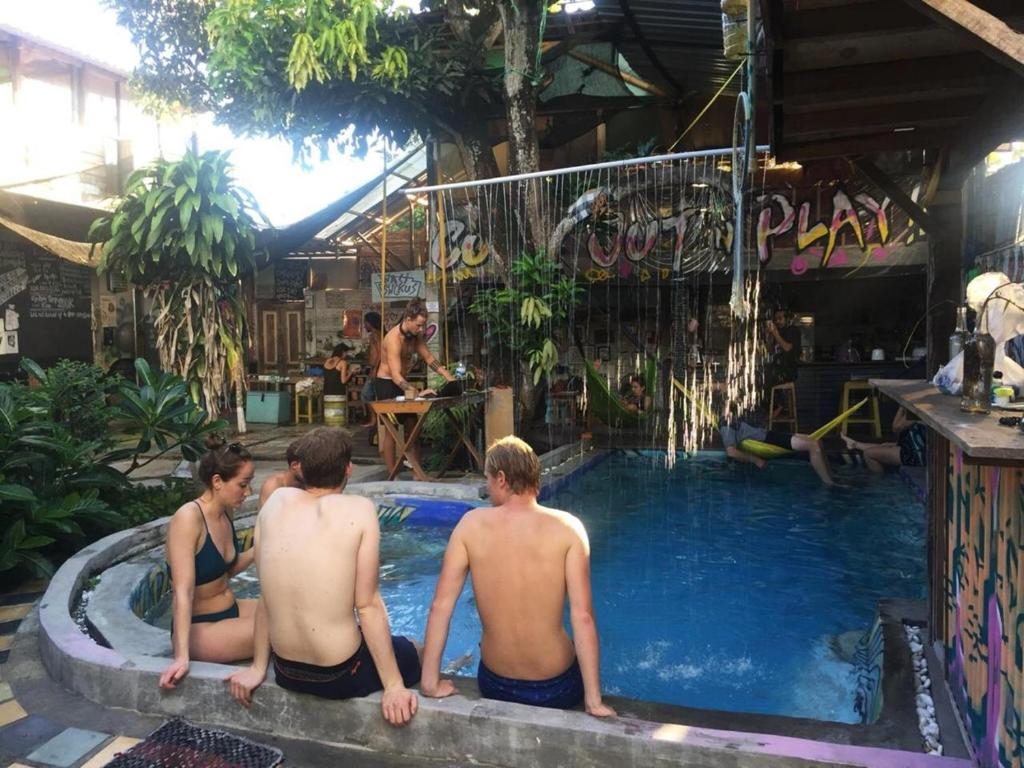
(521, 24)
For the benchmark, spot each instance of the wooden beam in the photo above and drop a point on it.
(852, 81)
(856, 119)
(990, 34)
(391, 256)
(640, 83)
(871, 48)
(883, 181)
(859, 145)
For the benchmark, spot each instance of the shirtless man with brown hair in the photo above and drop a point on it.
(525, 560)
(395, 361)
(317, 554)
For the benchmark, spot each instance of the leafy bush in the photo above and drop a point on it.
(142, 503)
(58, 489)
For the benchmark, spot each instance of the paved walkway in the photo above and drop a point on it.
(42, 725)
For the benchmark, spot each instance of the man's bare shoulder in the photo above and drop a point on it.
(358, 507)
(571, 523)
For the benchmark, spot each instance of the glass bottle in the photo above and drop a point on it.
(979, 359)
(959, 335)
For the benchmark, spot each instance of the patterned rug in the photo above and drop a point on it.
(178, 743)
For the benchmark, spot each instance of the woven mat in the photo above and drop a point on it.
(178, 743)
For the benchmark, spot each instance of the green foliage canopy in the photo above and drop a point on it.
(316, 72)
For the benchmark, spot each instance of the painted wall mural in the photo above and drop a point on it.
(984, 640)
(676, 220)
(835, 226)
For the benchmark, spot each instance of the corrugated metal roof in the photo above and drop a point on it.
(684, 35)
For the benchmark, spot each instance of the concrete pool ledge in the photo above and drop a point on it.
(461, 728)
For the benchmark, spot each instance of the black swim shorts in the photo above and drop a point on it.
(779, 439)
(386, 389)
(354, 677)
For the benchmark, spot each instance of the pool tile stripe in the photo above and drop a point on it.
(5, 642)
(110, 751)
(67, 747)
(6, 694)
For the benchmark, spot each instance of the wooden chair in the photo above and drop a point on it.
(860, 386)
(783, 397)
(308, 407)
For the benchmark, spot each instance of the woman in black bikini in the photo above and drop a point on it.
(208, 623)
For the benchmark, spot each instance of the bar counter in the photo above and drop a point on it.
(975, 524)
(978, 435)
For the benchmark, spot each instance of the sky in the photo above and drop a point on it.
(285, 191)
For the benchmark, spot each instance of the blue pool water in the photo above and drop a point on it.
(715, 585)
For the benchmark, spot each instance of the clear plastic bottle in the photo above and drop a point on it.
(959, 335)
(979, 359)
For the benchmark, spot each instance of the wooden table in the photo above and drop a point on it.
(387, 410)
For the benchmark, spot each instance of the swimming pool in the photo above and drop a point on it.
(715, 585)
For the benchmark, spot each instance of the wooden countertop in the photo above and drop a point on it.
(979, 435)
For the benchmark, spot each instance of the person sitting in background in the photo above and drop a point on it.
(287, 478)
(637, 401)
(735, 430)
(203, 552)
(337, 370)
(524, 560)
(318, 555)
(907, 451)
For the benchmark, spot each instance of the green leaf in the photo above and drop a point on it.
(185, 216)
(16, 493)
(179, 193)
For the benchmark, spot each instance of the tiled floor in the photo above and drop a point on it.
(35, 740)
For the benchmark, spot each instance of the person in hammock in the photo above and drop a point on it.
(637, 400)
(734, 430)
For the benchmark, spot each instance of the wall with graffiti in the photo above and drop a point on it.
(985, 624)
(679, 221)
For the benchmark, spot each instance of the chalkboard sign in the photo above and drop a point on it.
(290, 279)
(45, 307)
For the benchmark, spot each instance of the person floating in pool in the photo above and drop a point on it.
(318, 557)
(525, 560)
(735, 430)
(637, 400)
(287, 478)
(203, 552)
(907, 451)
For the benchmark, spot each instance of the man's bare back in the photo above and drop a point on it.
(517, 560)
(307, 549)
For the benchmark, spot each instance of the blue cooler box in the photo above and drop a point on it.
(268, 407)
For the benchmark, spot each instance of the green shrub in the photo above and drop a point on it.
(58, 489)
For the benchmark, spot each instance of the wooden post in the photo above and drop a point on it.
(945, 257)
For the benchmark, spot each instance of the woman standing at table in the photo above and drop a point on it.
(373, 336)
(338, 371)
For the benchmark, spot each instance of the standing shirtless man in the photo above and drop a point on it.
(317, 554)
(525, 560)
(395, 361)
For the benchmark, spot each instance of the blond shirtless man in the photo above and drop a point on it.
(317, 557)
(525, 560)
(395, 361)
(288, 478)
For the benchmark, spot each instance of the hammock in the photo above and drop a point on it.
(767, 450)
(607, 406)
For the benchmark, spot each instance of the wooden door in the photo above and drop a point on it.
(282, 338)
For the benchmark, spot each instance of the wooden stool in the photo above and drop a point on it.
(875, 420)
(308, 407)
(788, 415)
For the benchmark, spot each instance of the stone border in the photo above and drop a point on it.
(462, 728)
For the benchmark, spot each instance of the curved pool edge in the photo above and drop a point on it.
(457, 728)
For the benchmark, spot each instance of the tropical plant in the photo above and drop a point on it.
(183, 232)
(530, 318)
(59, 485)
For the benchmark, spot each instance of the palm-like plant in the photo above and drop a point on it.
(184, 232)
